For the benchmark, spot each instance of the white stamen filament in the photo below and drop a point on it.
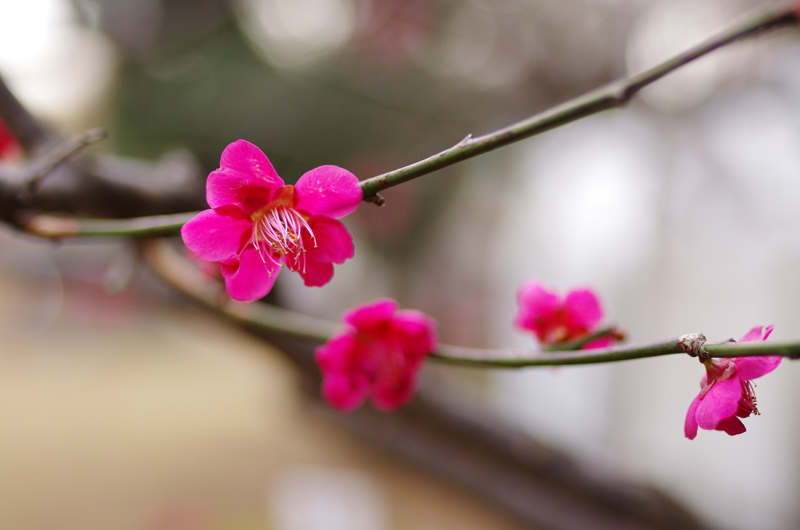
(278, 232)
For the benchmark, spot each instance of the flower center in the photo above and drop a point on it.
(747, 403)
(386, 361)
(278, 232)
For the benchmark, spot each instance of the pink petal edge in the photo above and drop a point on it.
(367, 316)
(251, 280)
(583, 308)
(721, 401)
(330, 191)
(690, 425)
(248, 159)
(216, 237)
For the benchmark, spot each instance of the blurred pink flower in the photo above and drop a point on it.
(256, 224)
(554, 320)
(9, 145)
(726, 393)
(379, 353)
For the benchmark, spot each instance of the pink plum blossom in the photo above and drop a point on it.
(379, 353)
(726, 393)
(554, 320)
(257, 224)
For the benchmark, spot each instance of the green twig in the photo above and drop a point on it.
(613, 95)
(180, 274)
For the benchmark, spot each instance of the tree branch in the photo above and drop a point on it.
(613, 95)
(540, 486)
(189, 280)
(52, 227)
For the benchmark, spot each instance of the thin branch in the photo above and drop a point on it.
(179, 273)
(524, 358)
(613, 95)
(189, 280)
(52, 227)
(60, 154)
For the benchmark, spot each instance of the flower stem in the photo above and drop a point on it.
(612, 95)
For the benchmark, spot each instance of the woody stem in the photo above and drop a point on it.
(612, 95)
(175, 270)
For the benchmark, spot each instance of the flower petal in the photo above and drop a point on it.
(252, 279)
(387, 395)
(753, 335)
(719, 403)
(332, 242)
(732, 426)
(369, 316)
(246, 158)
(583, 310)
(690, 425)
(330, 191)
(748, 368)
(316, 273)
(216, 236)
(416, 331)
(339, 354)
(225, 186)
(537, 308)
(602, 342)
(245, 179)
(345, 392)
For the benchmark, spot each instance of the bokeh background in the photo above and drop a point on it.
(122, 407)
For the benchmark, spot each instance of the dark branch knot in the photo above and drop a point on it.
(692, 343)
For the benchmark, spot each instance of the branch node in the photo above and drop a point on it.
(692, 343)
(464, 141)
(377, 199)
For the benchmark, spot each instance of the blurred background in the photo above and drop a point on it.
(122, 407)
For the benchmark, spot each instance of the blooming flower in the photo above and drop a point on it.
(256, 224)
(379, 353)
(726, 393)
(554, 320)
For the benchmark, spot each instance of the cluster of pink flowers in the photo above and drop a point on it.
(257, 224)
(557, 320)
(379, 354)
(726, 392)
